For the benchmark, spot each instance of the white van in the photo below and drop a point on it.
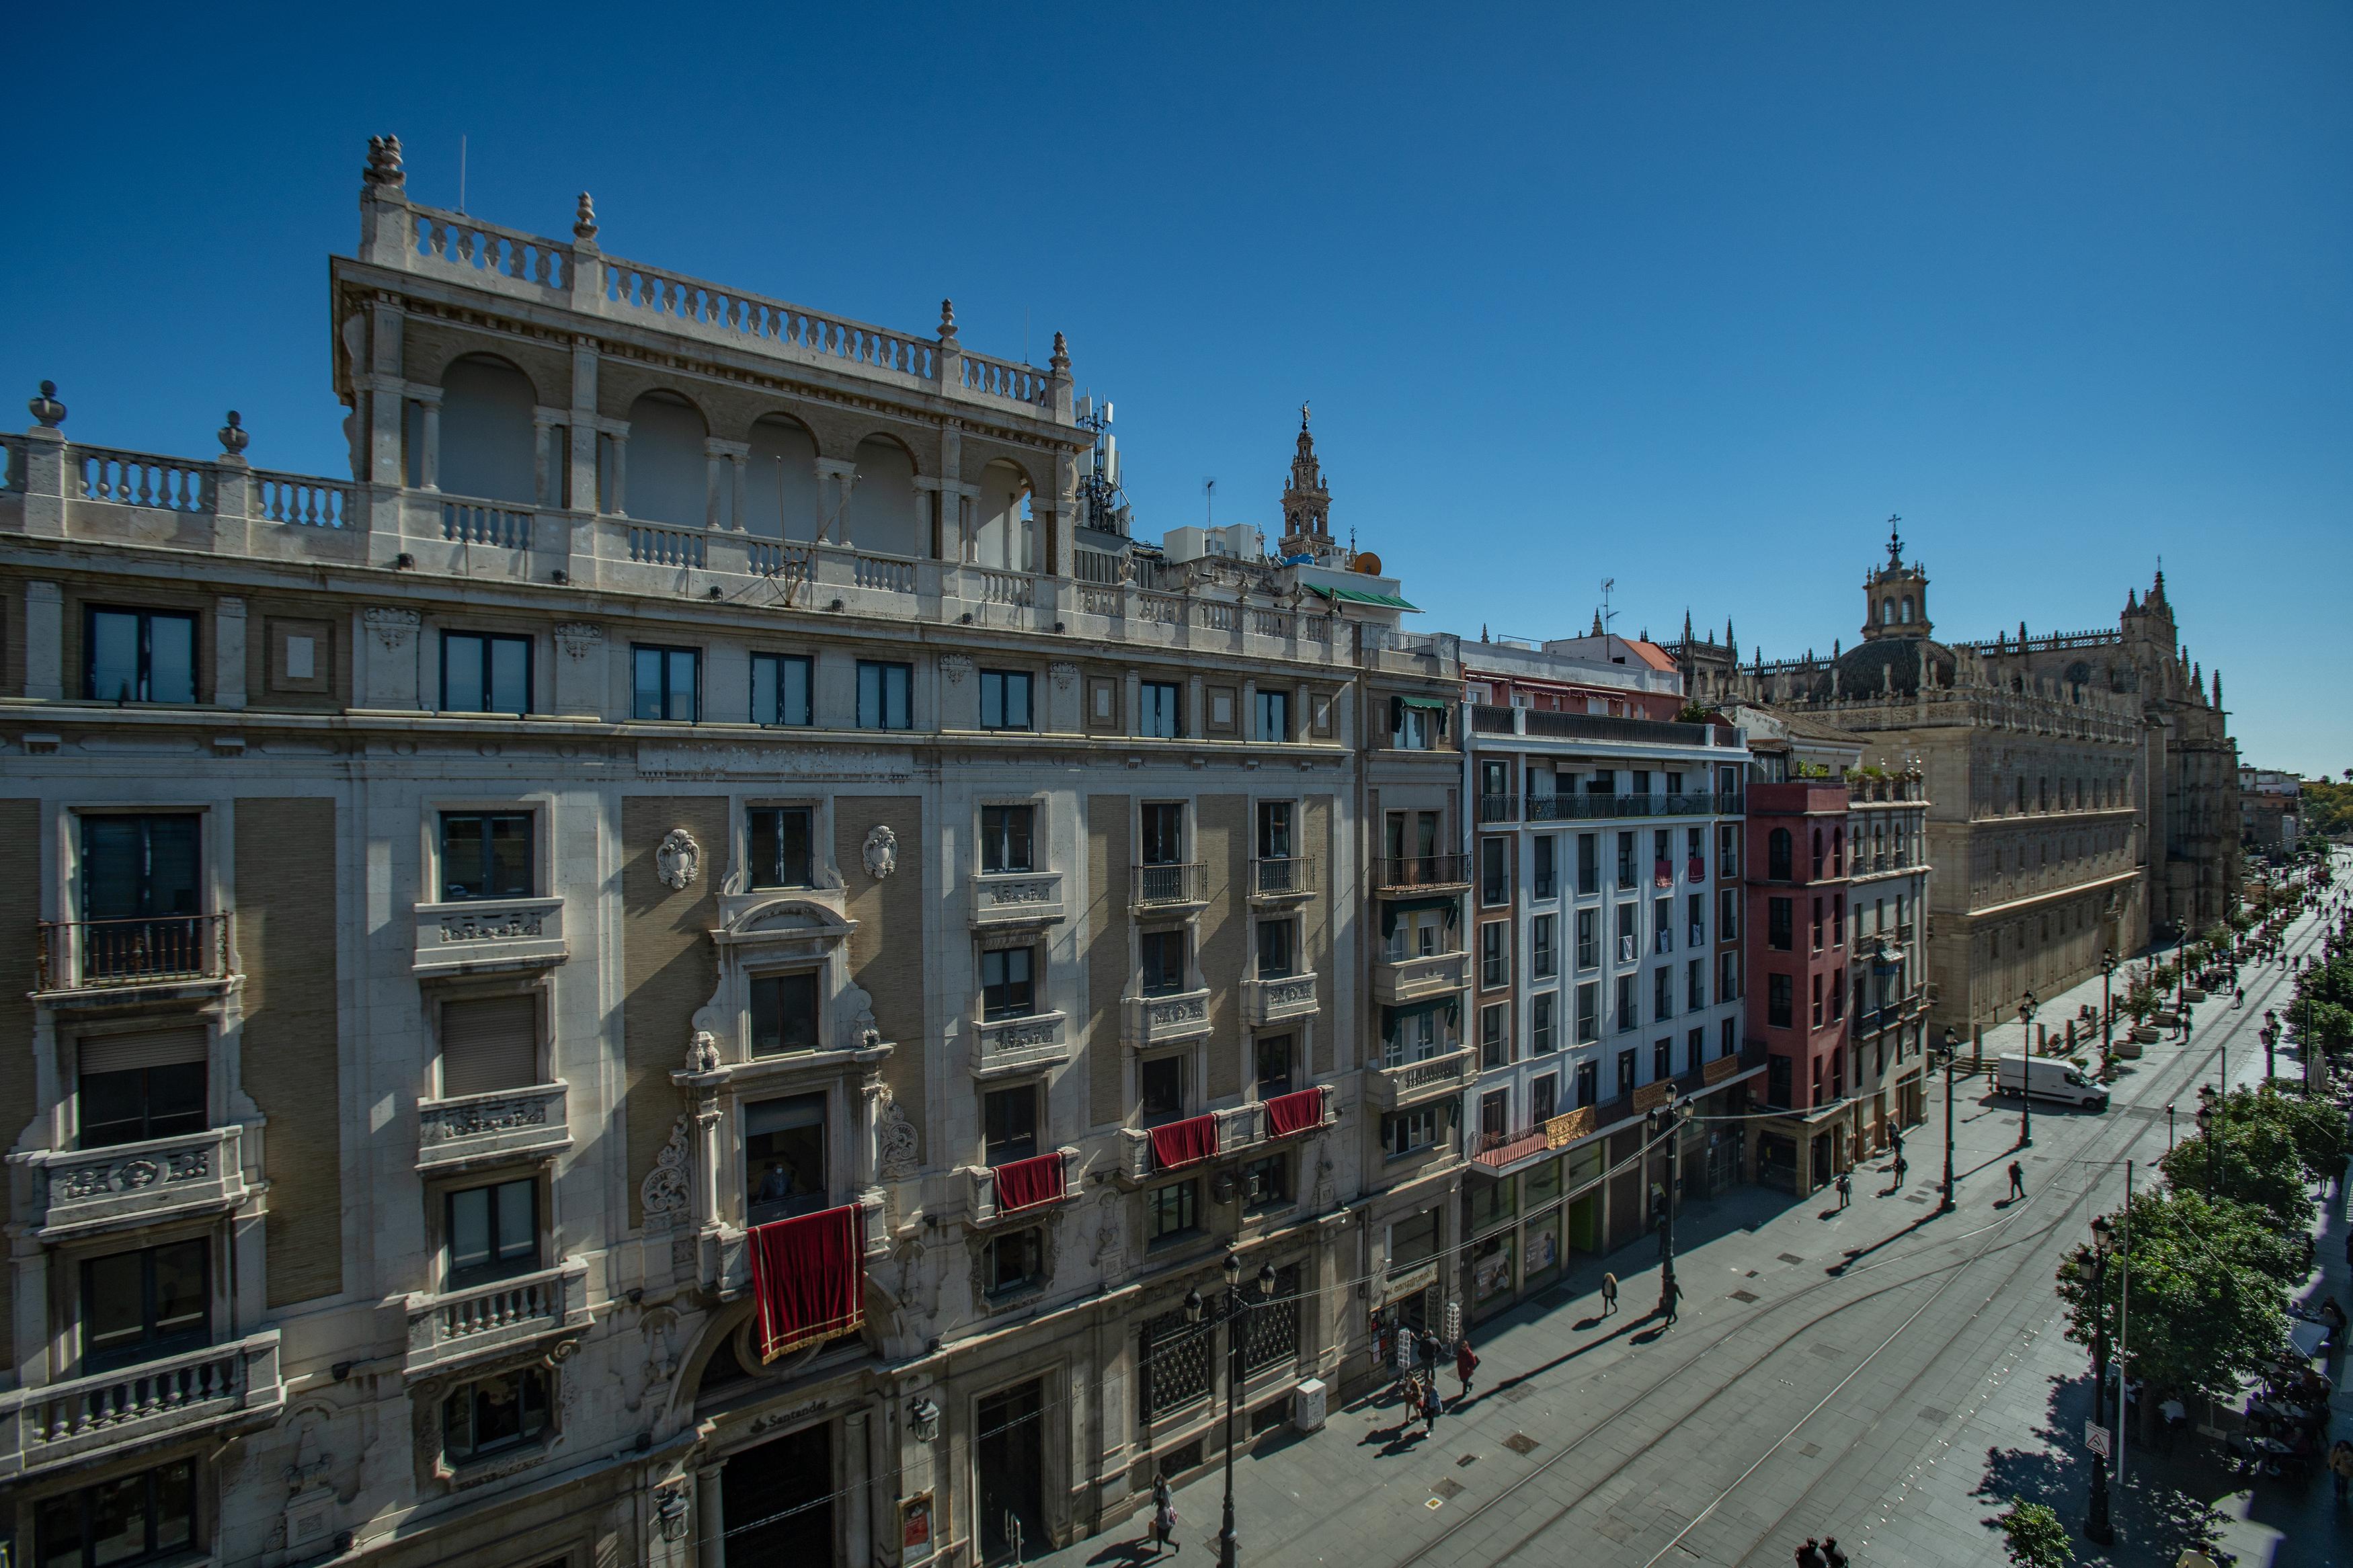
(2049, 1078)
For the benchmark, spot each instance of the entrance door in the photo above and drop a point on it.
(1822, 1161)
(778, 1500)
(1010, 1455)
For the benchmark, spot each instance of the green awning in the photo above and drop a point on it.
(1364, 596)
(1393, 1016)
(1439, 703)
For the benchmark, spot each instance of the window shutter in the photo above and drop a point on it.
(163, 1047)
(488, 1043)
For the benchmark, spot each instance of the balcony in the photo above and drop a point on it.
(1402, 980)
(84, 1417)
(1394, 875)
(1002, 899)
(1177, 886)
(1498, 808)
(1500, 1153)
(505, 1124)
(459, 1326)
(1273, 1000)
(1165, 1020)
(1019, 1045)
(482, 934)
(723, 1254)
(1588, 806)
(988, 1210)
(1411, 1083)
(146, 952)
(135, 1183)
(1283, 880)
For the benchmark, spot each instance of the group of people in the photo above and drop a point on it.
(1417, 1384)
(1822, 1553)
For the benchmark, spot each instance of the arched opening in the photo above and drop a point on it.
(882, 516)
(487, 438)
(1004, 536)
(1887, 612)
(780, 488)
(1906, 609)
(667, 478)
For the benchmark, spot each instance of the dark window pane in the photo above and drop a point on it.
(780, 847)
(646, 691)
(113, 1304)
(509, 675)
(684, 696)
(461, 672)
(171, 658)
(113, 657)
(783, 1013)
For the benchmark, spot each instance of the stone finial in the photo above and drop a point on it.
(383, 170)
(947, 324)
(234, 436)
(46, 407)
(1061, 362)
(584, 218)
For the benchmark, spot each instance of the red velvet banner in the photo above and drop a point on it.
(1026, 1184)
(1291, 1113)
(1184, 1142)
(1698, 871)
(1663, 873)
(809, 1281)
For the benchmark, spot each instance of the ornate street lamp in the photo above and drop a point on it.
(2206, 1121)
(2027, 1007)
(1667, 1122)
(2094, 1267)
(2107, 1010)
(1952, 1050)
(1233, 1310)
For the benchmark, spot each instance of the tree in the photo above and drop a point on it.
(2033, 1536)
(2315, 1126)
(2250, 1157)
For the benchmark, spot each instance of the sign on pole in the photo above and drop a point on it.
(2097, 1439)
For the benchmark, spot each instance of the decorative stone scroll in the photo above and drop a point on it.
(882, 852)
(392, 625)
(679, 860)
(664, 1191)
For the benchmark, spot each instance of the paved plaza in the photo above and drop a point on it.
(1886, 1375)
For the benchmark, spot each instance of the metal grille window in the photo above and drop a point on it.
(1270, 1335)
(1177, 1363)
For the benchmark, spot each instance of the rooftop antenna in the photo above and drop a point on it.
(1209, 500)
(1609, 586)
(461, 171)
(1025, 334)
(1102, 504)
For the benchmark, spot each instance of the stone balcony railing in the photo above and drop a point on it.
(531, 1121)
(1016, 899)
(1241, 1130)
(481, 932)
(86, 1418)
(1024, 1044)
(1417, 979)
(1279, 999)
(985, 1209)
(1163, 1020)
(723, 1256)
(133, 1183)
(459, 1326)
(1411, 1083)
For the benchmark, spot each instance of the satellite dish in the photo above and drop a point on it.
(1366, 562)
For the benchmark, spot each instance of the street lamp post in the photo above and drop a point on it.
(2027, 1007)
(2168, 1126)
(2094, 1268)
(2270, 1039)
(1667, 1121)
(1234, 1313)
(2206, 1121)
(2107, 1010)
(1952, 1049)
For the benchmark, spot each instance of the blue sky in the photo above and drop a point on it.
(1690, 297)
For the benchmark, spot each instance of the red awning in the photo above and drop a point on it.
(807, 1279)
(1184, 1142)
(1287, 1114)
(1026, 1184)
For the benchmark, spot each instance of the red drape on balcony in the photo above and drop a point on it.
(1663, 873)
(1026, 1184)
(1698, 871)
(1184, 1142)
(1291, 1113)
(809, 1281)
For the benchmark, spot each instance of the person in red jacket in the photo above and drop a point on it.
(1466, 1361)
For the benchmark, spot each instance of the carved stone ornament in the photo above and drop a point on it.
(895, 1156)
(882, 852)
(702, 1052)
(664, 1191)
(392, 625)
(383, 168)
(955, 667)
(578, 639)
(679, 860)
(1065, 676)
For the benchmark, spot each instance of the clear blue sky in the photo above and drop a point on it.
(1691, 297)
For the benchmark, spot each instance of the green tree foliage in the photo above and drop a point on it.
(2251, 1157)
(2325, 808)
(2314, 1125)
(2032, 1535)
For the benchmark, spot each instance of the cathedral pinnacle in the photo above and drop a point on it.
(1894, 544)
(1306, 504)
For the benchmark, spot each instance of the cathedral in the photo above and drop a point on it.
(2083, 785)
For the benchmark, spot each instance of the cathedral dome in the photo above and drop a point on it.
(1886, 666)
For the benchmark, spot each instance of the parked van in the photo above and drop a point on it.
(2049, 1078)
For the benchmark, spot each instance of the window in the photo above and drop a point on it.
(1728, 1039)
(666, 683)
(1816, 930)
(1274, 715)
(1544, 957)
(1172, 1211)
(1494, 881)
(1589, 1012)
(1278, 942)
(1727, 850)
(128, 1520)
(1013, 1260)
(134, 869)
(1409, 1131)
(1589, 863)
(139, 655)
(1780, 857)
(1727, 977)
(1626, 878)
(1589, 938)
(136, 1086)
(1006, 989)
(1816, 1014)
(1411, 728)
(1164, 962)
(1163, 823)
(1274, 830)
(784, 1158)
(486, 855)
(493, 1232)
(488, 1043)
(1663, 925)
(1004, 700)
(780, 690)
(1266, 1184)
(1627, 951)
(784, 1013)
(1495, 1115)
(1540, 1025)
(1004, 839)
(1159, 715)
(138, 1306)
(1543, 1100)
(1694, 1049)
(883, 695)
(1492, 1051)
(1589, 1083)
(1662, 993)
(780, 846)
(1662, 1060)
(1544, 875)
(1009, 1119)
(493, 1414)
(1838, 920)
(1778, 1004)
(1781, 924)
(1695, 913)
(1162, 1081)
(1727, 915)
(1696, 984)
(1274, 1055)
(1817, 854)
(484, 672)
(1494, 955)
(1838, 994)
(1625, 1072)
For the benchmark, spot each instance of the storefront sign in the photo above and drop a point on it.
(1413, 1282)
(915, 1521)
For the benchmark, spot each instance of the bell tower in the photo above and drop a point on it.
(1896, 594)
(1306, 504)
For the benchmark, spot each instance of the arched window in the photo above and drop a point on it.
(1004, 535)
(1817, 854)
(1778, 852)
(780, 488)
(1907, 609)
(1887, 612)
(1838, 851)
(486, 437)
(666, 469)
(883, 514)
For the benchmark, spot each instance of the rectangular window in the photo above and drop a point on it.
(1696, 984)
(1006, 990)
(1729, 1040)
(1267, 1184)
(1727, 977)
(1727, 915)
(1589, 1012)
(1838, 994)
(1540, 1027)
(1495, 1114)
(1014, 1260)
(1277, 949)
(1727, 852)
(1816, 1014)
(1663, 925)
(493, 1232)
(1781, 924)
(1492, 1051)
(666, 683)
(135, 872)
(784, 1158)
(1009, 1119)
(1694, 1049)
(1163, 953)
(780, 691)
(1662, 993)
(485, 673)
(491, 1414)
(1589, 863)
(1274, 715)
(1589, 1083)
(137, 1086)
(1626, 949)
(1163, 824)
(1543, 1101)
(1159, 715)
(784, 1013)
(1779, 1000)
(1544, 876)
(1816, 930)
(1695, 916)
(1003, 699)
(1172, 1211)
(1589, 938)
(139, 1306)
(1409, 1131)
(1274, 830)
(114, 1523)
(1627, 1015)
(1494, 881)
(1544, 957)
(1274, 1055)
(883, 695)
(1663, 1060)
(1625, 1072)
(488, 1043)
(139, 655)
(1626, 873)
(780, 846)
(1004, 839)
(1161, 1081)
(486, 855)
(1838, 920)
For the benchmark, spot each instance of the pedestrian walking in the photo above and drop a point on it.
(1845, 1188)
(2017, 1180)
(1670, 1292)
(1609, 1284)
(1432, 1405)
(1433, 1351)
(1900, 1169)
(1164, 1517)
(2340, 1468)
(1810, 1555)
(1831, 1555)
(1466, 1363)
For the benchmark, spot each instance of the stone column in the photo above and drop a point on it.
(833, 514)
(710, 1517)
(44, 642)
(387, 396)
(228, 653)
(857, 1467)
(739, 456)
(618, 503)
(583, 453)
(712, 457)
(546, 478)
(428, 475)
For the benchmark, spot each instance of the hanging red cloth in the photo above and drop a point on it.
(807, 1279)
(1698, 872)
(1184, 1142)
(1663, 873)
(1287, 1114)
(1026, 1184)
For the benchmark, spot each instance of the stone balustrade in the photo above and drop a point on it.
(457, 1326)
(133, 1183)
(1020, 1044)
(479, 933)
(1163, 1020)
(1016, 899)
(1416, 979)
(504, 1123)
(84, 1418)
(1411, 1083)
(983, 1195)
(1278, 999)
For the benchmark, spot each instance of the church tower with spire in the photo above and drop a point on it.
(1307, 505)
(1895, 596)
